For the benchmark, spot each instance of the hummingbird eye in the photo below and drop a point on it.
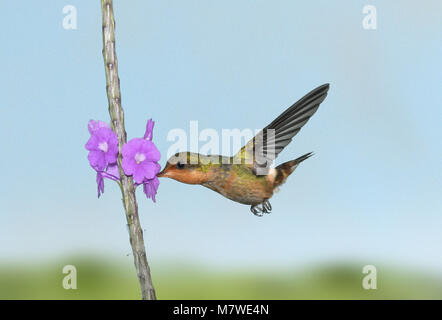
(180, 165)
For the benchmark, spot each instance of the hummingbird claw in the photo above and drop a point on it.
(267, 207)
(256, 210)
(259, 209)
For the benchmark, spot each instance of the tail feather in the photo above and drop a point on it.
(287, 168)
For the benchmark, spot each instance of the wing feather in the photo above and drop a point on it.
(269, 142)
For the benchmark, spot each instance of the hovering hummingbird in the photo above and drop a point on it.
(247, 177)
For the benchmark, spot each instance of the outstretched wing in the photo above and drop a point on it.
(270, 141)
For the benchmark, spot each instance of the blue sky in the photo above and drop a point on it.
(371, 192)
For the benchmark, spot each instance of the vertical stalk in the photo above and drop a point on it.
(117, 123)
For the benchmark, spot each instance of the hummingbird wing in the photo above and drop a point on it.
(270, 141)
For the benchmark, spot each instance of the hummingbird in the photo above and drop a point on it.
(247, 177)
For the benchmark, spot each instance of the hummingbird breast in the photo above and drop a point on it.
(240, 184)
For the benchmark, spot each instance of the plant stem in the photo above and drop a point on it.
(117, 123)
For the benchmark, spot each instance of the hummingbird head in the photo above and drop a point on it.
(186, 167)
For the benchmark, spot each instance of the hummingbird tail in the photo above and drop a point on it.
(287, 168)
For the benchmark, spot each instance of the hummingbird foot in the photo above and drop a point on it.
(259, 209)
(267, 207)
(256, 210)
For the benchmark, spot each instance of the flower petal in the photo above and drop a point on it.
(149, 130)
(113, 144)
(151, 151)
(150, 169)
(100, 184)
(139, 174)
(92, 143)
(97, 160)
(150, 188)
(132, 147)
(111, 157)
(95, 125)
(129, 165)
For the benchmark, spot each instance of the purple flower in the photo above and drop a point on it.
(102, 145)
(140, 158)
(150, 187)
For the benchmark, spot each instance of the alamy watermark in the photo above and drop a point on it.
(70, 19)
(260, 153)
(70, 280)
(369, 22)
(369, 282)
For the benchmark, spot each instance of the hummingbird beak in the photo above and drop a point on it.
(162, 173)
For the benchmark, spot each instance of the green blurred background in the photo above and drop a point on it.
(102, 278)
